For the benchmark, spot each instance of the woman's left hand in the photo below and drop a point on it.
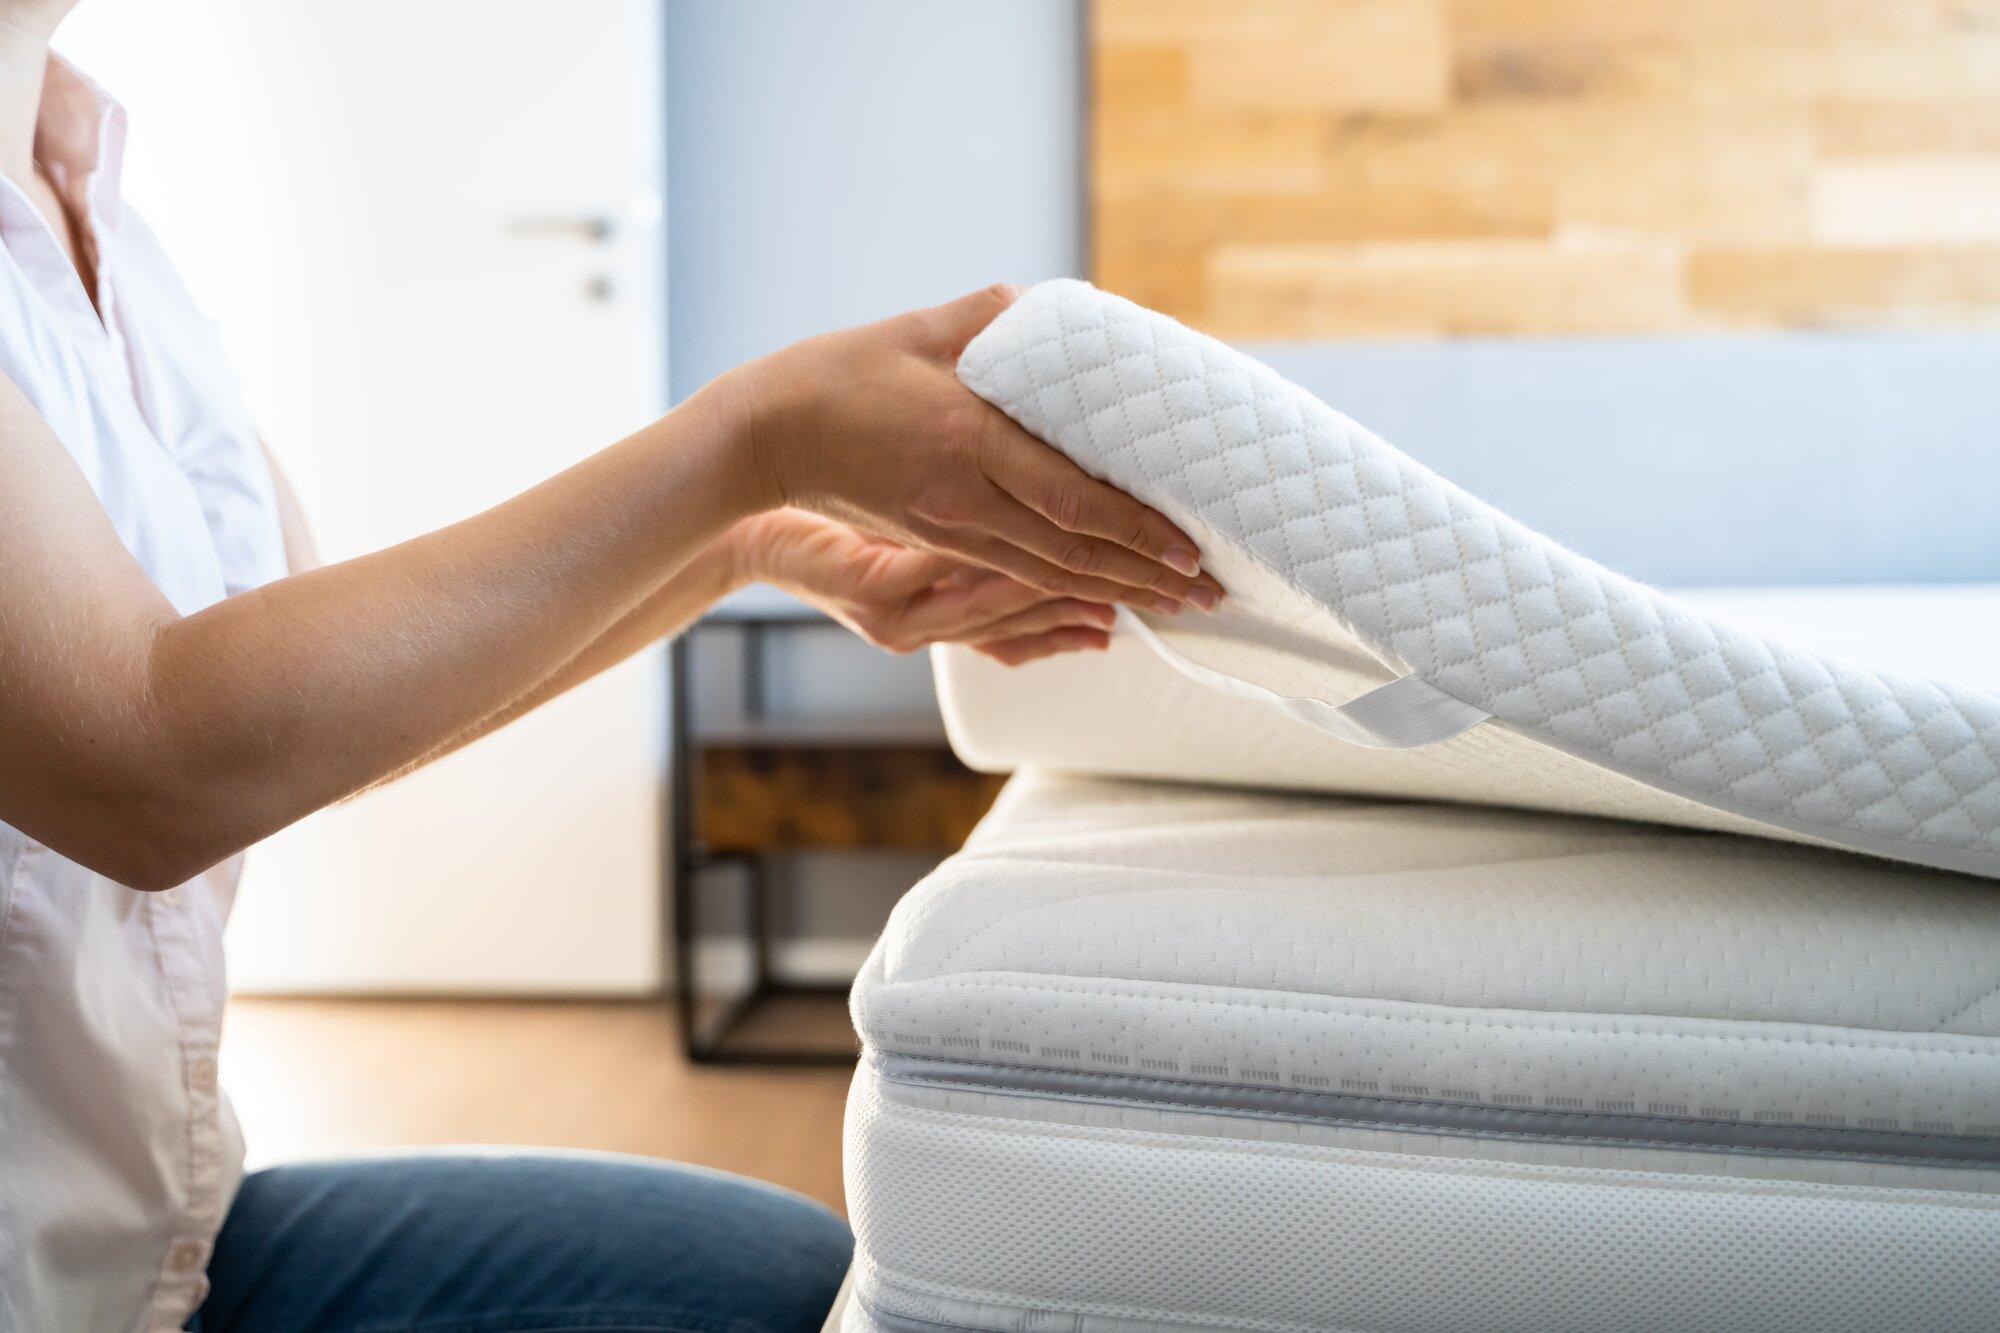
(901, 600)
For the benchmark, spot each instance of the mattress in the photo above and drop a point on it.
(1388, 634)
(1158, 1056)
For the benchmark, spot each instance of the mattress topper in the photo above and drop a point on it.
(1421, 955)
(1415, 641)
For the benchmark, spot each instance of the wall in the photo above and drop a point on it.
(832, 164)
(831, 167)
(1747, 459)
(1767, 234)
(1279, 169)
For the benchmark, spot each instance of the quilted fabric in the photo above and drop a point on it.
(1480, 956)
(1327, 536)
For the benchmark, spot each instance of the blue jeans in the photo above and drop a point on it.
(504, 1244)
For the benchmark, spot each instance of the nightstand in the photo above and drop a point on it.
(752, 789)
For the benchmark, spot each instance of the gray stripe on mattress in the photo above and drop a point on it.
(1464, 1119)
(897, 1323)
(951, 1314)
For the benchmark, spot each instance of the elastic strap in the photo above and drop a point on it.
(1402, 715)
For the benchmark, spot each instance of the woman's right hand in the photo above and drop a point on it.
(871, 426)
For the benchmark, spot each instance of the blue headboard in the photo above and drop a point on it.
(1782, 458)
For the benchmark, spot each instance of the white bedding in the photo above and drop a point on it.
(1152, 1056)
(1350, 566)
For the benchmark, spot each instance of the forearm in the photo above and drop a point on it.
(710, 576)
(274, 703)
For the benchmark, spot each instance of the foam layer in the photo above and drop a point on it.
(1349, 566)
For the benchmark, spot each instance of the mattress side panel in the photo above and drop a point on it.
(1446, 953)
(979, 1211)
(1443, 904)
(1590, 1064)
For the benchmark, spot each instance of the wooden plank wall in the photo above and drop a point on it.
(1287, 169)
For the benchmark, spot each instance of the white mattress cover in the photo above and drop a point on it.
(976, 1210)
(1350, 566)
(1595, 986)
(1478, 956)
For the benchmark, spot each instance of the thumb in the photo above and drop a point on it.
(909, 571)
(957, 323)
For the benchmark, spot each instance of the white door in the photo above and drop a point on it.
(430, 230)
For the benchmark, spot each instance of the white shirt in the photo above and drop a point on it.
(118, 1153)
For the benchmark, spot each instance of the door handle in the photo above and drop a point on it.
(595, 228)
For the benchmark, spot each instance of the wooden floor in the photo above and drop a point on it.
(316, 1078)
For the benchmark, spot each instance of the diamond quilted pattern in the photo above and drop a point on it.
(1499, 616)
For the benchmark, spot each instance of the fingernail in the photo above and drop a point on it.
(1202, 597)
(1182, 561)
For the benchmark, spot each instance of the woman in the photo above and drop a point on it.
(177, 682)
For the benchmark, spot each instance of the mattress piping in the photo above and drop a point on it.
(1457, 1119)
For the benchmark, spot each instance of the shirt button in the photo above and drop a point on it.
(184, 1256)
(171, 897)
(202, 1073)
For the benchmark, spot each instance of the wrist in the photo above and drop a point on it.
(753, 550)
(754, 408)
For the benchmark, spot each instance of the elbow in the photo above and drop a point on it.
(138, 803)
(159, 870)
(148, 819)
(150, 865)
(143, 851)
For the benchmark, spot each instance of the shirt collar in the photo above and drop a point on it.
(80, 136)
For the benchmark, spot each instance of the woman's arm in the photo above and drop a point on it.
(704, 580)
(898, 599)
(148, 745)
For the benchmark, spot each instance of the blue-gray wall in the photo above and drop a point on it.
(830, 163)
(1801, 458)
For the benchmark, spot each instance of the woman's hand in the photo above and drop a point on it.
(902, 600)
(871, 426)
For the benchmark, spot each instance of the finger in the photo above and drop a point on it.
(1095, 557)
(1014, 652)
(1075, 501)
(949, 327)
(961, 603)
(911, 572)
(1062, 613)
(965, 576)
(1032, 569)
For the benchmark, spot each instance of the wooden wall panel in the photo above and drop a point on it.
(1355, 168)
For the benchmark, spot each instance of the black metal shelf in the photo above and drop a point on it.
(715, 1033)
